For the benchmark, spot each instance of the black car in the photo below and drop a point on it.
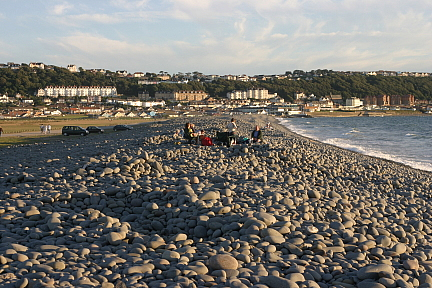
(122, 127)
(74, 130)
(95, 129)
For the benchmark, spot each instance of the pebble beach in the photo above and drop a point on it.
(136, 209)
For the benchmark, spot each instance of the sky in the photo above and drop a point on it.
(220, 37)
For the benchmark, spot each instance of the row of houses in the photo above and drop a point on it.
(389, 100)
(175, 96)
(77, 91)
(370, 100)
(196, 76)
(100, 111)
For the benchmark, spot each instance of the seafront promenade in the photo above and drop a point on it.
(135, 209)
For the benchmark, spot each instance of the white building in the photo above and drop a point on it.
(72, 68)
(4, 99)
(259, 94)
(236, 95)
(153, 103)
(299, 95)
(123, 73)
(37, 65)
(73, 91)
(353, 102)
(277, 99)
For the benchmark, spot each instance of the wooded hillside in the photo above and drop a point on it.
(27, 80)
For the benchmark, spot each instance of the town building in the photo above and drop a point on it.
(377, 100)
(337, 99)
(37, 65)
(182, 96)
(123, 73)
(5, 99)
(404, 100)
(387, 100)
(138, 74)
(74, 91)
(13, 66)
(353, 102)
(72, 68)
(299, 95)
(97, 70)
(144, 95)
(94, 98)
(260, 94)
(163, 77)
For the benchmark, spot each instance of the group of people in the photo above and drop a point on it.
(256, 135)
(199, 137)
(45, 129)
(193, 136)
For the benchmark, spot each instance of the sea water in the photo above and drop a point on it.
(403, 139)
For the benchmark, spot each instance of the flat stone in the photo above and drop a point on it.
(115, 238)
(372, 271)
(222, 262)
(411, 264)
(209, 195)
(171, 255)
(278, 282)
(146, 268)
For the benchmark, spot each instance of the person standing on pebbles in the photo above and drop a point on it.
(232, 128)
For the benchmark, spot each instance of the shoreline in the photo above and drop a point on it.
(276, 121)
(358, 153)
(135, 209)
(384, 113)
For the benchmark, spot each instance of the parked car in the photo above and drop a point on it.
(74, 130)
(95, 129)
(122, 127)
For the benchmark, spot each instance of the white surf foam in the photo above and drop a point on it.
(345, 144)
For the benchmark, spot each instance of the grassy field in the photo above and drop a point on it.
(33, 124)
(8, 141)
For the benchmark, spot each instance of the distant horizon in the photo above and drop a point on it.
(223, 37)
(292, 70)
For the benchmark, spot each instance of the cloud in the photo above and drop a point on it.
(60, 9)
(204, 10)
(90, 51)
(96, 44)
(98, 18)
(129, 4)
(279, 36)
(243, 35)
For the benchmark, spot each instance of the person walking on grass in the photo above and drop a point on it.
(1, 131)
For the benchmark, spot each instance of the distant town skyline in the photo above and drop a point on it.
(219, 37)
